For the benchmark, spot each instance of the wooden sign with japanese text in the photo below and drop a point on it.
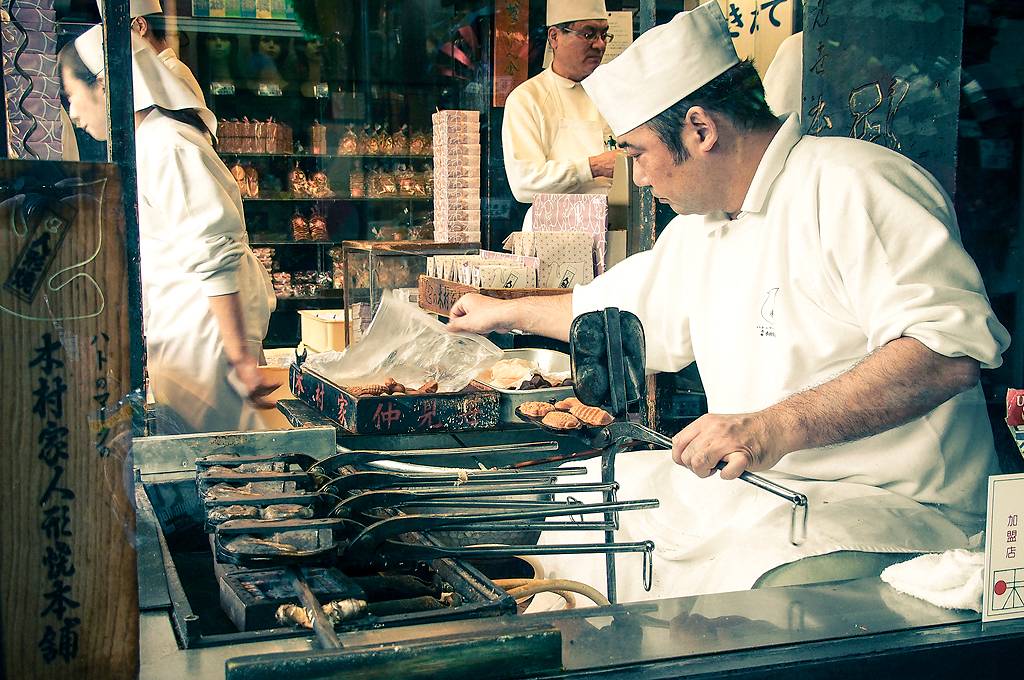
(69, 604)
(511, 44)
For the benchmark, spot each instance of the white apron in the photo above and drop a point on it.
(574, 136)
(193, 245)
(714, 536)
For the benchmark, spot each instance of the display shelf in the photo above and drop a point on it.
(265, 244)
(284, 28)
(387, 199)
(305, 298)
(329, 157)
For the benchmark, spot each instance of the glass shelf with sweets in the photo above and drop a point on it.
(324, 120)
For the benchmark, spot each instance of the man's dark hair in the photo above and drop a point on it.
(736, 94)
(158, 28)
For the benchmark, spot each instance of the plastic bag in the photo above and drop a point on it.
(405, 343)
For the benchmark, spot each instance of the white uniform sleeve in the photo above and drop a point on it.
(892, 235)
(526, 154)
(646, 284)
(208, 226)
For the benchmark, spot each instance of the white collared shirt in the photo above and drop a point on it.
(840, 247)
(536, 113)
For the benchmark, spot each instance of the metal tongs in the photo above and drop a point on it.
(608, 353)
(621, 434)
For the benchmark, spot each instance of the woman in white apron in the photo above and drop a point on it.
(206, 298)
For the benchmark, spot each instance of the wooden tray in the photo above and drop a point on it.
(476, 407)
(438, 295)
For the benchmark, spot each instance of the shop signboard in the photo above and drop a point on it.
(1003, 587)
(69, 598)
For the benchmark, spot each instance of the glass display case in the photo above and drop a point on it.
(324, 120)
(373, 269)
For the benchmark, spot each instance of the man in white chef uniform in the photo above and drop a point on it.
(838, 325)
(554, 140)
(138, 10)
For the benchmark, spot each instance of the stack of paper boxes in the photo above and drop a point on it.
(457, 176)
(31, 81)
(360, 317)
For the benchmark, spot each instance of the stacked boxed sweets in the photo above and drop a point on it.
(457, 176)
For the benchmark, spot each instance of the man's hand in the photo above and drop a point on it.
(603, 165)
(254, 384)
(475, 313)
(748, 441)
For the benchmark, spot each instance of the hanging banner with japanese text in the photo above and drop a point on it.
(69, 605)
(511, 44)
(758, 27)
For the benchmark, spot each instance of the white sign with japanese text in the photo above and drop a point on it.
(1003, 595)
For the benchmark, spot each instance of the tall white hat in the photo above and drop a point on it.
(661, 67)
(153, 84)
(138, 8)
(564, 11)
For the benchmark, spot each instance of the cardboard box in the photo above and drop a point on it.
(583, 213)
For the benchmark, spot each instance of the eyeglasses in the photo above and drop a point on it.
(590, 35)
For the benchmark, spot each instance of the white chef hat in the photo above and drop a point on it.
(153, 84)
(138, 8)
(564, 11)
(661, 67)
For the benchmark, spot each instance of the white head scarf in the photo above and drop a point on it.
(152, 82)
(662, 66)
(565, 11)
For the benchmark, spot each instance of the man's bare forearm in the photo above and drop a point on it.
(898, 382)
(547, 315)
(227, 310)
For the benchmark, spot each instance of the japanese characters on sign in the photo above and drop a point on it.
(511, 43)
(41, 246)
(1003, 593)
(59, 640)
(758, 27)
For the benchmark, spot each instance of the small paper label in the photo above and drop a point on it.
(1003, 594)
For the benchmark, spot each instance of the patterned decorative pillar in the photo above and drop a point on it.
(31, 81)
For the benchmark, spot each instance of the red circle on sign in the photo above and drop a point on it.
(1000, 587)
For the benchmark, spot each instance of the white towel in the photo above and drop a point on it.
(952, 579)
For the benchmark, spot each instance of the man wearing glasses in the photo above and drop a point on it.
(553, 137)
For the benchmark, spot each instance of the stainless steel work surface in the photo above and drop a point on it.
(834, 619)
